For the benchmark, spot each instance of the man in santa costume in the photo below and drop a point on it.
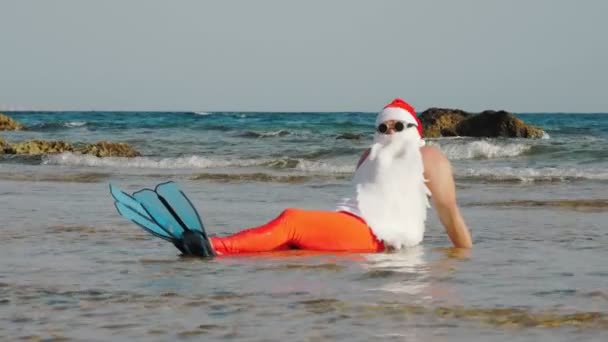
(386, 210)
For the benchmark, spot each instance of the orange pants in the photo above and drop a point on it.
(303, 229)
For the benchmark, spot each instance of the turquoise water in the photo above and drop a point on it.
(576, 147)
(72, 268)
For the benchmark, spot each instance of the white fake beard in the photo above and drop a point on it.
(391, 192)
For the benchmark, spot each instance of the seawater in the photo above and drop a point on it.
(72, 268)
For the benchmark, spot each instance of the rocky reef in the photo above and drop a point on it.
(110, 149)
(8, 124)
(4, 146)
(99, 149)
(33, 147)
(37, 147)
(444, 122)
(349, 136)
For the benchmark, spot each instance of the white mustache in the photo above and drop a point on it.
(394, 145)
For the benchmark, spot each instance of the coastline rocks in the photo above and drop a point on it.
(5, 147)
(36, 147)
(8, 124)
(110, 149)
(349, 136)
(442, 122)
(497, 124)
(41, 147)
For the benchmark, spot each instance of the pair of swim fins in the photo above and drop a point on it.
(167, 213)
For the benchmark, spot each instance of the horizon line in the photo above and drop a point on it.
(2, 110)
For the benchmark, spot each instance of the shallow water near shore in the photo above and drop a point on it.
(73, 269)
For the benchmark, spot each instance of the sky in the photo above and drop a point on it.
(313, 55)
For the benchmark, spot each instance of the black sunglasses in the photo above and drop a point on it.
(398, 126)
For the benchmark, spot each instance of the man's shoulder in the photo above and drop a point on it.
(432, 155)
(432, 151)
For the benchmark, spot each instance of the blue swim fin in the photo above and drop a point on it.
(153, 205)
(181, 205)
(129, 208)
(167, 213)
(143, 222)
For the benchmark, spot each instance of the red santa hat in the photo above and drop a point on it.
(399, 110)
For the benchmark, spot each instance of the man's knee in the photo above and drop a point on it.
(291, 212)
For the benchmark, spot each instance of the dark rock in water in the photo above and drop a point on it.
(110, 149)
(8, 124)
(252, 134)
(41, 147)
(5, 147)
(497, 124)
(441, 122)
(350, 136)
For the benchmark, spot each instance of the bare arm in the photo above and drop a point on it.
(363, 156)
(438, 172)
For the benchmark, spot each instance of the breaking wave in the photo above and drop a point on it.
(457, 150)
(517, 175)
(52, 126)
(264, 177)
(187, 162)
(75, 124)
(322, 167)
(253, 134)
(196, 162)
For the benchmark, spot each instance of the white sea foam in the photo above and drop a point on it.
(189, 162)
(533, 175)
(195, 162)
(75, 124)
(270, 134)
(481, 149)
(323, 167)
(278, 133)
(202, 113)
(328, 167)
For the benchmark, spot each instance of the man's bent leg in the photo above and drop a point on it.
(303, 229)
(332, 231)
